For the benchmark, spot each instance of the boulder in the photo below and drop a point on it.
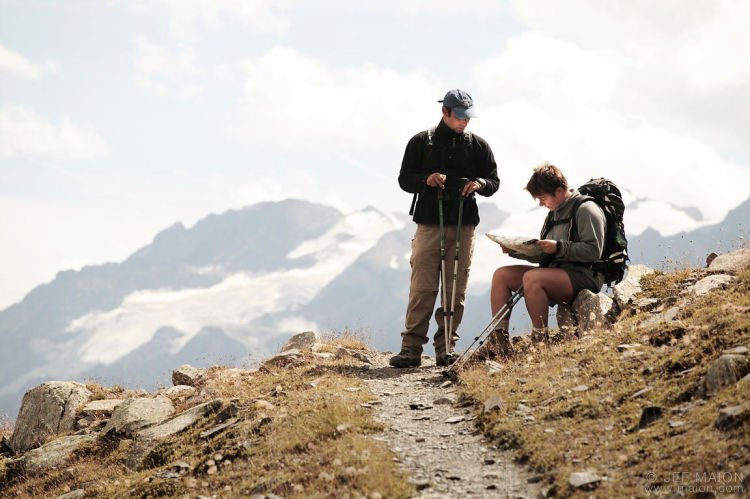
(46, 410)
(667, 315)
(733, 417)
(180, 422)
(627, 289)
(53, 454)
(731, 262)
(179, 392)
(134, 414)
(592, 310)
(302, 341)
(709, 283)
(724, 371)
(100, 408)
(188, 375)
(285, 358)
(566, 318)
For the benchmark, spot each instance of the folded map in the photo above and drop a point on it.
(525, 245)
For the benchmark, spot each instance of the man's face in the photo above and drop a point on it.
(552, 201)
(454, 123)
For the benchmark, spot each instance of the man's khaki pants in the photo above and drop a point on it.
(425, 283)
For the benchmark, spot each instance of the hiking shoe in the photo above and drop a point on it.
(496, 345)
(406, 359)
(540, 335)
(442, 360)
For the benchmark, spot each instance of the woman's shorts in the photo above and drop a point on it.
(580, 281)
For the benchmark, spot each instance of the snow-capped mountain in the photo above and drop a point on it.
(234, 286)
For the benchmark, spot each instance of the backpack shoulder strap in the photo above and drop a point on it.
(549, 223)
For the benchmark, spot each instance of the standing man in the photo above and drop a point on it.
(442, 165)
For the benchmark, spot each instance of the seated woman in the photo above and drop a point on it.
(565, 263)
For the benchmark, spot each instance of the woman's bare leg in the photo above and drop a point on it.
(542, 286)
(505, 280)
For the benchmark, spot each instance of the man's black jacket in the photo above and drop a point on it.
(458, 155)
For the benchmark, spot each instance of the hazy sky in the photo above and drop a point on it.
(120, 118)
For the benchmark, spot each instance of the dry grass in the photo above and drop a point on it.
(299, 434)
(585, 406)
(358, 339)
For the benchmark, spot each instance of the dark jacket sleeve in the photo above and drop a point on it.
(487, 169)
(411, 178)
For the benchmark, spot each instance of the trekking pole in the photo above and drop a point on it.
(449, 331)
(443, 278)
(482, 336)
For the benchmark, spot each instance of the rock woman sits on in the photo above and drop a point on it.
(564, 263)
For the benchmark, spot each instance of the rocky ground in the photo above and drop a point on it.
(437, 441)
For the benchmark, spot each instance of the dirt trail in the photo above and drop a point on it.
(437, 442)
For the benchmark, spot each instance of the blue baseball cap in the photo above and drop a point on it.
(461, 103)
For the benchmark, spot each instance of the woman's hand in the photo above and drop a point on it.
(548, 246)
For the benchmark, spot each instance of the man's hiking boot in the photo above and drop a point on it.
(406, 358)
(445, 359)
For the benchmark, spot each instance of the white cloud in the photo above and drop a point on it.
(19, 66)
(442, 8)
(549, 71)
(187, 17)
(683, 69)
(290, 98)
(166, 70)
(25, 134)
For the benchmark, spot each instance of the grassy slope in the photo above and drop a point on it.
(312, 440)
(585, 407)
(301, 433)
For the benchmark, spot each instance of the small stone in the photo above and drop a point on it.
(343, 427)
(628, 346)
(640, 392)
(650, 415)
(584, 480)
(443, 401)
(446, 384)
(492, 404)
(736, 351)
(420, 440)
(676, 424)
(326, 476)
(581, 388)
(421, 485)
(455, 419)
(489, 460)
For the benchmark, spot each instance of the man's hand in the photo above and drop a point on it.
(470, 188)
(436, 180)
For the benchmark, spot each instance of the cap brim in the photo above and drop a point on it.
(462, 112)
